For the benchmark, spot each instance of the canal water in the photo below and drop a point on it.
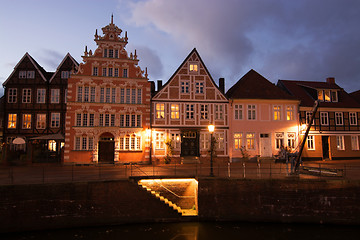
(197, 231)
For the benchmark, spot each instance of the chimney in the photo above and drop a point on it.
(152, 88)
(159, 85)
(330, 80)
(222, 84)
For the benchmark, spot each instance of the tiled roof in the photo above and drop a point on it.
(306, 92)
(254, 86)
(356, 95)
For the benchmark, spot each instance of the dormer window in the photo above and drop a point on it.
(327, 95)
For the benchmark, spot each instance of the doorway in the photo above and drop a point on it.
(325, 146)
(190, 143)
(106, 148)
(265, 145)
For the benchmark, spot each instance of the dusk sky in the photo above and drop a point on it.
(280, 39)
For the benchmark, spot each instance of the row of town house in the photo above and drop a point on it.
(105, 110)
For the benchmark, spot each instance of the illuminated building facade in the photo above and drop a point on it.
(335, 131)
(183, 108)
(263, 118)
(108, 111)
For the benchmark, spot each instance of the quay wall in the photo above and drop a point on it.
(64, 205)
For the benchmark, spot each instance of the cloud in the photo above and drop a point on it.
(304, 40)
(149, 58)
(49, 59)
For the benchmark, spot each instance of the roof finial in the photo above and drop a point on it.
(112, 18)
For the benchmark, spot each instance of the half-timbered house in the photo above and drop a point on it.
(34, 108)
(335, 131)
(183, 108)
(108, 109)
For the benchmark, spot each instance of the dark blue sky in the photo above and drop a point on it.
(280, 39)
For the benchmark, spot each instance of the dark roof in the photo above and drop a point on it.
(356, 95)
(306, 92)
(254, 86)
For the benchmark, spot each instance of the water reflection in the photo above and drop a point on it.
(198, 231)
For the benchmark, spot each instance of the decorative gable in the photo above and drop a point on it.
(191, 82)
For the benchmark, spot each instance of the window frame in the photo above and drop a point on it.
(55, 95)
(339, 118)
(160, 110)
(340, 143)
(55, 120)
(26, 120)
(324, 118)
(41, 95)
(26, 95)
(174, 111)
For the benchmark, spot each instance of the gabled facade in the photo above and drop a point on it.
(108, 108)
(263, 118)
(34, 106)
(335, 131)
(182, 110)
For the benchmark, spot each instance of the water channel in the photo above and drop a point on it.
(197, 231)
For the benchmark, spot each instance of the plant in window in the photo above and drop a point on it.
(244, 153)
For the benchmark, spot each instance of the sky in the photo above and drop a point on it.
(280, 39)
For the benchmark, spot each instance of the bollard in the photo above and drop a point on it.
(229, 169)
(244, 170)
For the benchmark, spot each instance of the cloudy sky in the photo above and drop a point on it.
(280, 39)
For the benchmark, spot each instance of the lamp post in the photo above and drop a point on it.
(211, 130)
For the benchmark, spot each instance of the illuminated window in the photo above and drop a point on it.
(204, 111)
(251, 112)
(237, 141)
(41, 94)
(12, 120)
(355, 142)
(250, 141)
(238, 112)
(41, 121)
(130, 143)
(26, 121)
(279, 140)
(277, 113)
(324, 118)
(159, 141)
(189, 111)
(12, 95)
(175, 111)
(320, 95)
(52, 145)
(310, 142)
(55, 96)
(26, 98)
(291, 140)
(339, 118)
(184, 86)
(289, 113)
(340, 142)
(193, 67)
(353, 118)
(327, 95)
(160, 110)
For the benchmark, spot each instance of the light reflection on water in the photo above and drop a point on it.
(198, 231)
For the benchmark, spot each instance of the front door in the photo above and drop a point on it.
(325, 146)
(106, 148)
(190, 144)
(265, 145)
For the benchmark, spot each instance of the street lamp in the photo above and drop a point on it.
(211, 130)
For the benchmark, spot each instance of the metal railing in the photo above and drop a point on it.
(245, 170)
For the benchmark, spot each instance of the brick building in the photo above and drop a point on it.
(183, 108)
(108, 111)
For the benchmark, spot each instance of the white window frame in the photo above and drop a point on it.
(41, 95)
(340, 143)
(219, 112)
(160, 110)
(324, 118)
(251, 112)
(204, 111)
(238, 112)
(238, 140)
(277, 112)
(40, 121)
(353, 118)
(12, 120)
(55, 120)
(184, 86)
(310, 142)
(355, 143)
(26, 120)
(339, 118)
(55, 95)
(199, 87)
(26, 97)
(290, 112)
(190, 111)
(175, 111)
(159, 140)
(250, 140)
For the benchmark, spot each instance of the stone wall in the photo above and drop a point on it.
(310, 201)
